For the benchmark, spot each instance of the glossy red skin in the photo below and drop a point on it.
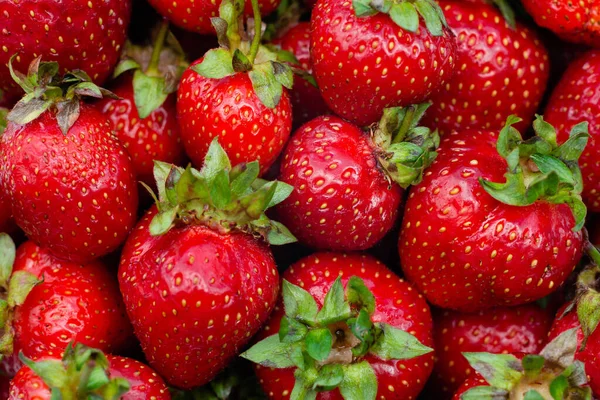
(229, 108)
(74, 303)
(144, 382)
(307, 102)
(73, 33)
(341, 199)
(521, 329)
(469, 383)
(155, 137)
(75, 194)
(576, 99)
(195, 15)
(345, 50)
(467, 251)
(397, 304)
(573, 21)
(590, 356)
(191, 310)
(499, 71)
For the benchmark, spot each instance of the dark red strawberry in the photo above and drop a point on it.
(470, 243)
(574, 21)
(501, 330)
(365, 60)
(86, 35)
(365, 342)
(197, 279)
(348, 183)
(500, 70)
(69, 181)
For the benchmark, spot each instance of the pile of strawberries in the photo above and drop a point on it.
(330, 199)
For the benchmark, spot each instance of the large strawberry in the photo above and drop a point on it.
(197, 279)
(501, 70)
(237, 93)
(471, 241)
(506, 330)
(366, 341)
(69, 181)
(86, 35)
(369, 55)
(348, 183)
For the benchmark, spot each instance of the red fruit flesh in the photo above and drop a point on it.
(577, 99)
(74, 194)
(86, 35)
(342, 200)
(397, 304)
(467, 251)
(229, 108)
(363, 65)
(500, 71)
(195, 297)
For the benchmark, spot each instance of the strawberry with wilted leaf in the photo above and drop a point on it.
(237, 93)
(197, 275)
(346, 328)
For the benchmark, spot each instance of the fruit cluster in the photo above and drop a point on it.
(422, 173)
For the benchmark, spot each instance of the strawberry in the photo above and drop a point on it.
(469, 242)
(575, 100)
(70, 182)
(196, 277)
(6, 222)
(369, 55)
(239, 97)
(86, 35)
(573, 21)
(349, 183)
(501, 70)
(144, 117)
(506, 330)
(365, 342)
(87, 373)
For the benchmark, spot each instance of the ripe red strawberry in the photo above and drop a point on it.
(196, 280)
(501, 330)
(70, 182)
(344, 197)
(575, 100)
(86, 35)
(337, 351)
(470, 243)
(574, 21)
(241, 98)
(365, 60)
(500, 70)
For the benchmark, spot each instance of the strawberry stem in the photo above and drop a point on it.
(592, 253)
(257, 32)
(158, 46)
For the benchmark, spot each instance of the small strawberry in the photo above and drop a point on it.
(86, 35)
(369, 55)
(196, 277)
(69, 181)
(573, 21)
(470, 243)
(502, 330)
(348, 183)
(365, 342)
(501, 70)
(237, 93)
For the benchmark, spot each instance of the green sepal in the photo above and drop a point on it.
(240, 62)
(3, 121)
(217, 64)
(499, 370)
(273, 353)
(318, 343)
(330, 376)
(359, 295)
(52, 372)
(303, 388)
(7, 258)
(335, 307)
(19, 286)
(291, 330)
(362, 328)
(124, 66)
(532, 365)
(149, 93)
(298, 303)
(485, 393)
(533, 394)
(561, 350)
(588, 312)
(396, 344)
(359, 383)
(269, 79)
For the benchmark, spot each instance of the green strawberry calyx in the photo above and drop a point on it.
(327, 346)
(3, 114)
(268, 72)
(83, 373)
(405, 13)
(540, 169)
(219, 196)
(14, 289)
(404, 149)
(156, 70)
(553, 374)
